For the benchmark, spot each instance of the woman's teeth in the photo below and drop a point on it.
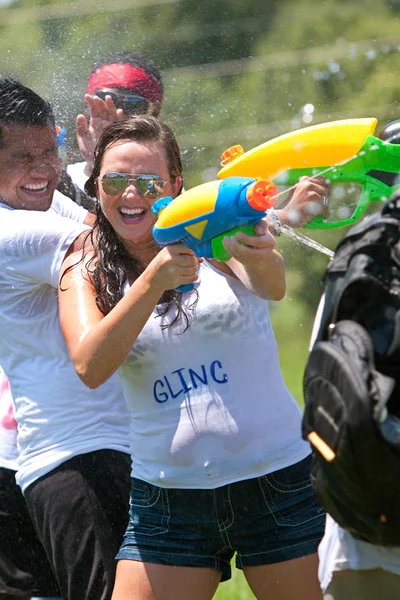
(132, 212)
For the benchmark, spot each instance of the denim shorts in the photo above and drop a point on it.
(265, 520)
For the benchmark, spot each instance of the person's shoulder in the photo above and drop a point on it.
(59, 201)
(20, 229)
(20, 219)
(66, 207)
(14, 222)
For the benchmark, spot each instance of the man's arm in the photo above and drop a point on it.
(305, 203)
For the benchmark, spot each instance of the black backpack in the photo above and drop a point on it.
(352, 382)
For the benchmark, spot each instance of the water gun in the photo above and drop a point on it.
(203, 216)
(342, 151)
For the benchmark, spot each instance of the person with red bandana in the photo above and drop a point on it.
(121, 84)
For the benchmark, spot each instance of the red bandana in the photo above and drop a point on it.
(125, 76)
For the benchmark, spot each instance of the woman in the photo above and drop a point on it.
(219, 465)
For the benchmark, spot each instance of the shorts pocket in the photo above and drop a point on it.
(289, 495)
(149, 509)
(293, 478)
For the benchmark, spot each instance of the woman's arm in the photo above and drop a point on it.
(256, 262)
(99, 344)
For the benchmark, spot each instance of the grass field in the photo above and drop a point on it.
(234, 589)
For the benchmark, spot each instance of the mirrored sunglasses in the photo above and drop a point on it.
(132, 104)
(149, 186)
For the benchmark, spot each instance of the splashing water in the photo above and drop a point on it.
(303, 239)
(300, 237)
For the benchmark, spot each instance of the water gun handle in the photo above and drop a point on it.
(218, 250)
(186, 287)
(372, 191)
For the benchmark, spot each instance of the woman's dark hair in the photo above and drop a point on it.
(111, 264)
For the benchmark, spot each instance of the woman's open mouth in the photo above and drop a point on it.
(132, 215)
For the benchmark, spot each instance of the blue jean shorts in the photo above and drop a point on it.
(265, 520)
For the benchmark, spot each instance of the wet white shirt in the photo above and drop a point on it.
(77, 173)
(58, 416)
(209, 406)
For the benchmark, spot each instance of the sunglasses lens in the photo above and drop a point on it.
(102, 95)
(130, 103)
(134, 105)
(151, 187)
(114, 183)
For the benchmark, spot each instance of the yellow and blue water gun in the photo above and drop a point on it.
(342, 151)
(203, 216)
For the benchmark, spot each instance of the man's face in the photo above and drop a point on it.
(30, 167)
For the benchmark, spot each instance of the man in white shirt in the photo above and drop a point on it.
(23, 560)
(74, 464)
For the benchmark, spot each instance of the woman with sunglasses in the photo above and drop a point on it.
(219, 465)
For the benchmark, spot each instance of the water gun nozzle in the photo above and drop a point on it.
(262, 195)
(230, 154)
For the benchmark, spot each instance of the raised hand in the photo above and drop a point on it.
(88, 128)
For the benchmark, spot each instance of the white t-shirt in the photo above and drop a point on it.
(8, 426)
(77, 173)
(339, 550)
(210, 407)
(58, 416)
(64, 206)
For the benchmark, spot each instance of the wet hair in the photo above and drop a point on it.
(19, 105)
(111, 264)
(131, 58)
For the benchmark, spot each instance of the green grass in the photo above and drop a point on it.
(292, 326)
(234, 589)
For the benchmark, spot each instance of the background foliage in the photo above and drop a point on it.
(235, 72)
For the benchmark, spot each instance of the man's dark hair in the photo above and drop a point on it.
(132, 58)
(19, 105)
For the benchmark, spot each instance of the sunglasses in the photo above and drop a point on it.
(132, 104)
(149, 186)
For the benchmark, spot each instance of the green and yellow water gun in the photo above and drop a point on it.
(342, 151)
